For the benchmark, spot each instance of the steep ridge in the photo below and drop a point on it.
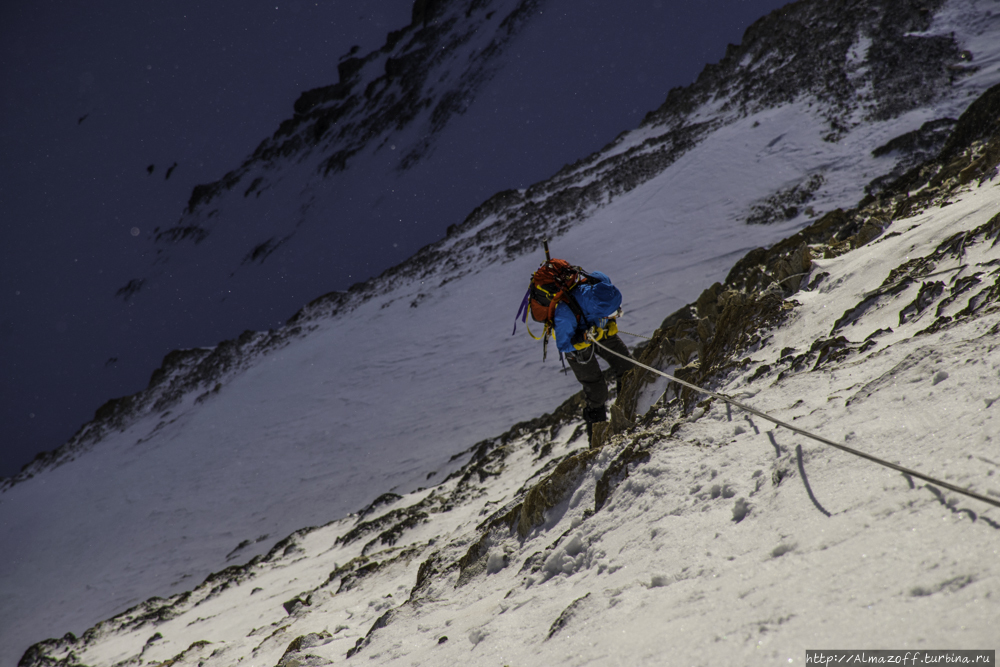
(418, 360)
(539, 549)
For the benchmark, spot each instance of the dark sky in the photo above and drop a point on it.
(94, 94)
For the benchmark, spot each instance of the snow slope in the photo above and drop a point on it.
(376, 390)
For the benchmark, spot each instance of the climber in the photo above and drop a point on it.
(578, 309)
(599, 304)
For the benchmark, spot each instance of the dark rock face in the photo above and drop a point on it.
(784, 205)
(912, 148)
(929, 138)
(979, 123)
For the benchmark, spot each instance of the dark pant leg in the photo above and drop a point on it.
(588, 373)
(618, 365)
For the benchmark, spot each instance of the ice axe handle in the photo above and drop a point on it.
(546, 244)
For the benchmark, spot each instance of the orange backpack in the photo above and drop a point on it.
(551, 284)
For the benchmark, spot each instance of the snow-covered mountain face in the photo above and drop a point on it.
(693, 531)
(239, 445)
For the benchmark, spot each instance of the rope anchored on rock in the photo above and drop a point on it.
(813, 436)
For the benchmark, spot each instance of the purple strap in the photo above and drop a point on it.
(524, 309)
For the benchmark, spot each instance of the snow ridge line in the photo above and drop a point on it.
(813, 436)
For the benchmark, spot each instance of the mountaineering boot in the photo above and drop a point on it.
(593, 415)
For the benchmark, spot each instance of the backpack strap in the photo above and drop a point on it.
(565, 296)
(523, 309)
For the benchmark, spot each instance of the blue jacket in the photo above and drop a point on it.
(597, 301)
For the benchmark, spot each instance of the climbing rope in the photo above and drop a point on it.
(634, 335)
(818, 438)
